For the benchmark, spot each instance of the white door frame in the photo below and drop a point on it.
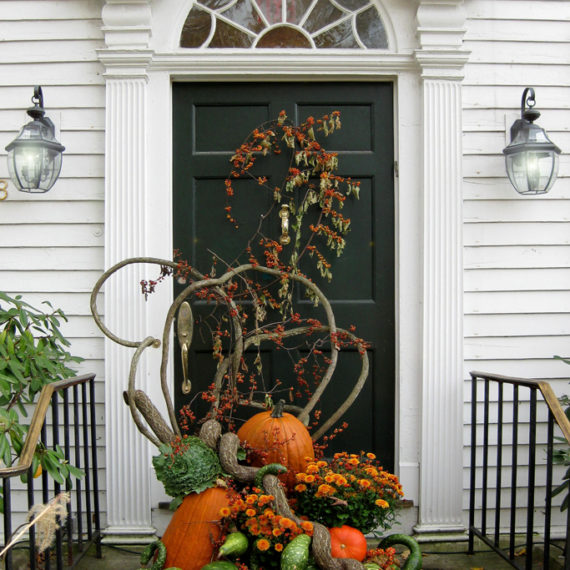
(426, 65)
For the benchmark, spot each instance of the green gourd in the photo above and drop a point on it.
(295, 555)
(414, 561)
(221, 565)
(234, 545)
(371, 566)
(271, 469)
(149, 551)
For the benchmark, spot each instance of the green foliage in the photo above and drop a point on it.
(33, 353)
(187, 466)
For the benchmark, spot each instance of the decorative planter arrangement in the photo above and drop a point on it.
(262, 496)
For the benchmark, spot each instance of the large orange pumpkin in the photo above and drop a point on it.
(348, 542)
(275, 436)
(194, 528)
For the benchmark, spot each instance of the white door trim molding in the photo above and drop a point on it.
(140, 65)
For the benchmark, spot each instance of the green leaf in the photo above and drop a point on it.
(76, 472)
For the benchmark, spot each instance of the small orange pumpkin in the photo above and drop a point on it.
(348, 542)
(275, 436)
(194, 528)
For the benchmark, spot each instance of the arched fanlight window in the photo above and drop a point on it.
(321, 24)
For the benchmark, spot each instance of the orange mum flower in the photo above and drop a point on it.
(300, 488)
(250, 512)
(278, 547)
(364, 483)
(307, 526)
(262, 544)
(225, 512)
(286, 523)
(382, 503)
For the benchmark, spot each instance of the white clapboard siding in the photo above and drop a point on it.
(516, 249)
(51, 245)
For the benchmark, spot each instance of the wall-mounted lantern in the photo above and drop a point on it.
(531, 157)
(34, 156)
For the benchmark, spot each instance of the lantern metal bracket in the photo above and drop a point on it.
(3, 189)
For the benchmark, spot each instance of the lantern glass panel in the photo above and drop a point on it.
(531, 171)
(34, 168)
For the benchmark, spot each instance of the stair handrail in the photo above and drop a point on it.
(545, 389)
(37, 422)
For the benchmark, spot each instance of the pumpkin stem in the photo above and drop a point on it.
(277, 411)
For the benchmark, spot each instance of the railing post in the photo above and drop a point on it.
(472, 475)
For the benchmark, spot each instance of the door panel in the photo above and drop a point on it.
(210, 121)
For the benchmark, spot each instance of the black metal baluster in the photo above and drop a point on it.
(514, 463)
(85, 419)
(45, 494)
(485, 458)
(57, 486)
(78, 463)
(472, 475)
(95, 466)
(7, 520)
(32, 531)
(498, 486)
(68, 484)
(531, 478)
(548, 497)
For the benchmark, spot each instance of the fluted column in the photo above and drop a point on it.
(126, 24)
(441, 457)
(128, 457)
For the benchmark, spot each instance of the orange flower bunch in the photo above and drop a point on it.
(352, 489)
(268, 532)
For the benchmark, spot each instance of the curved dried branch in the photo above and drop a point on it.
(210, 433)
(229, 444)
(153, 417)
(149, 341)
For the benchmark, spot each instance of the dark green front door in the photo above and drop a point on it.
(210, 121)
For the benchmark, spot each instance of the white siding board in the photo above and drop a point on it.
(48, 51)
(46, 235)
(37, 212)
(517, 256)
(28, 280)
(48, 30)
(508, 348)
(542, 280)
(67, 73)
(57, 96)
(542, 210)
(525, 32)
(53, 10)
(517, 10)
(513, 233)
(53, 258)
(517, 302)
(485, 325)
(493, 52)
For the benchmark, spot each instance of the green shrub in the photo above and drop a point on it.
(33, 353)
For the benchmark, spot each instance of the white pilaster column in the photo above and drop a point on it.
(128, 454)
(440, 30)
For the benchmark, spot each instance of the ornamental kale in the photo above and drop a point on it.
(187, 466)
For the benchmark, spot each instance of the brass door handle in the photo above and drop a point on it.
(185, 328)
(284, 215)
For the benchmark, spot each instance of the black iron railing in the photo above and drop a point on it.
(72, 426)
(521, 450)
